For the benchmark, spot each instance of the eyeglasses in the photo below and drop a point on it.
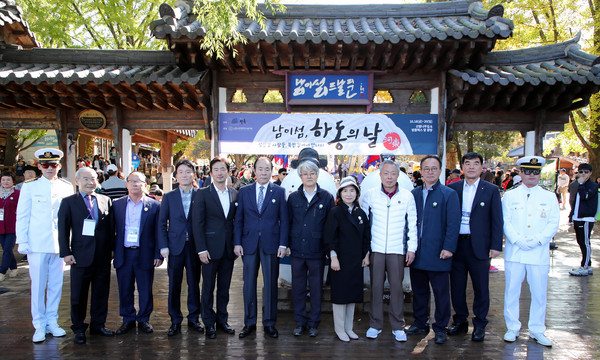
(284, 174)
(432, 169)
(47, 165)
(584, 171)
(135, 181)
(532, 171)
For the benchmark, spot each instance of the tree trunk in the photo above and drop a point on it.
(11, 151)
(470, 141)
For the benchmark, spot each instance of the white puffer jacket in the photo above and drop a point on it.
(390, 217)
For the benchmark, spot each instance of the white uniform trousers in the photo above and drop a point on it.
(46, 273)
(537, 278)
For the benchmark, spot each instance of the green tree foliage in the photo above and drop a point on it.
(101, 24)
(219, 18)
(193, 148)
(490, 144)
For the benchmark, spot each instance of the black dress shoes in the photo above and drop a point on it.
(211, 332)
(313, 331)
(101, 331)
(440, 337)
(125, 327)
(247, 330)
(271, 331)
(226, 328)
(456, 329)
(79, 338)
(478, 334)
(196, 326)
(174, 329)
(145, 327)
(414, 330)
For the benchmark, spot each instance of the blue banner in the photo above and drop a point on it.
(328, 87)
(329, 134)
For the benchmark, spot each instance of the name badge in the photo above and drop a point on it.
(466, 216)
(1, 214)
(89, 225)
(132, 237)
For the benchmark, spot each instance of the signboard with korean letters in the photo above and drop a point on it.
(329, 134)
(308, 88)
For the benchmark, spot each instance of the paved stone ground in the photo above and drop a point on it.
(573, 321)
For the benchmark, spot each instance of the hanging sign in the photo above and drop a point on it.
(92, 120)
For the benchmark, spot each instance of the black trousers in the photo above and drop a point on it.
(97, 276)
(464, 265)
(583, 231)
(217, 272)
(440, 284)
(188, 260)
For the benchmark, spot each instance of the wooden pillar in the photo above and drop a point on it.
(219, 105)
(166, 162)
(67, 143)
(126, 152)
(117, 131)
(540, 119)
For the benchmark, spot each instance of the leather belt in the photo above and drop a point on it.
(132, 247)
(464, 236)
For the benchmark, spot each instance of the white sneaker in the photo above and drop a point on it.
(579, 272)
(541, 339)
(373, 333)
(590, 271)
(13, 273)
(511, 336)
(39, 336)
(400, 335)
(55, 330)
(2, 277)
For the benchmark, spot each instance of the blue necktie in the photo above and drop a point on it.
(261, 198)
(90, 206)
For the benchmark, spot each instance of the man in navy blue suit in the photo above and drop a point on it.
(177, 245)
(480, 240)
(136, 252)
(261, 238)
(213, 213)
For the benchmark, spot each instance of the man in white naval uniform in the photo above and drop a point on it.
(531, 218)
(37, 236)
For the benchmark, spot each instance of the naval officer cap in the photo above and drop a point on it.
(531, 162)
(49, 155)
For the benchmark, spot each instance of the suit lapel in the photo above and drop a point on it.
(179, 202)
(478, 194)
(231, 205)
(215, 198)
(268, 196)
(144, 213)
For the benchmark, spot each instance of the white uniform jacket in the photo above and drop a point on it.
(37, 213)
(392, 220)
(535, 218)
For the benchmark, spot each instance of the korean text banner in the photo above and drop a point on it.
(329, 134)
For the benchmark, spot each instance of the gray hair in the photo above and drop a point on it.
(85, 169)
(390, 162)
(141, 175)
(308, 165)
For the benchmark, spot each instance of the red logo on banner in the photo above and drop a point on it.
(391, 141)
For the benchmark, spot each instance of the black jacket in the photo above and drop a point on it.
(307, 222)
(588, 200)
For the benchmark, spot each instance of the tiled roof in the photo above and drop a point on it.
(353, 23)
(98, 66)
(12, 23)
(557, 63)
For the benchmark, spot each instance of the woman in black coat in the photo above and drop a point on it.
(347, 237)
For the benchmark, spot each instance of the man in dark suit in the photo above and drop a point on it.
(86, 241)
(177, 245)
(261, 238)
(136, 252)
(480, 240)
(212, 219)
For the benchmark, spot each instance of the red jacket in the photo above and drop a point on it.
(10, 213)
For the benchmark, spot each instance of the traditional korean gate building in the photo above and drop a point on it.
(443, 50)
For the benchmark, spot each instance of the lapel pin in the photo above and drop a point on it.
(274, 201)
(360, 220)
(320, 206)
(482, 203)
(145, 209)
(236, 203)
(434, 204)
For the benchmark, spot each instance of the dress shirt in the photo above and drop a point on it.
(224, 199)
(467, 204)
(133, 215)
(308, 196)
(94, 203)
(186, 199)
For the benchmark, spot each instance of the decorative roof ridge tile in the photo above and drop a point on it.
(566, 49)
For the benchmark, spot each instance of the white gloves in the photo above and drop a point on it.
(164, 252)
(24, 249)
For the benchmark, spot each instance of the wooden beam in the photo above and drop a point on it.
(402, 57)
(354, 56)
(434, 57)
(275, 56)
(243, 59)
(387, 54)
(417, 57)
(322, 57)
(339, 53)
(370, 56)
(306, 55)
(259, 57)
